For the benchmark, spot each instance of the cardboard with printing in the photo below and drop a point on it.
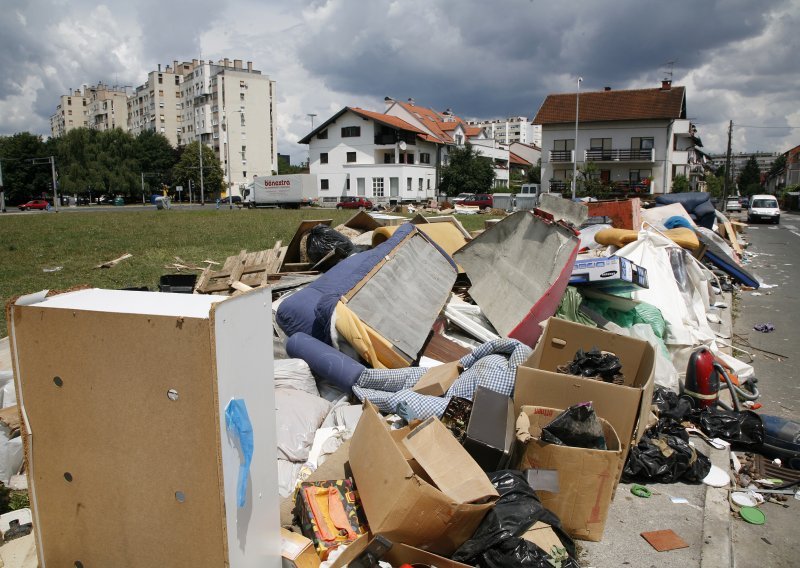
(611, 274)
(437, 380)
(626, 406)
(424, 491)
(586, 477)
(297, 551)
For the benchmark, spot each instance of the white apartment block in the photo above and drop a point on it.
(70, 113)
(155, 106)
(510, 130)
(638, 140)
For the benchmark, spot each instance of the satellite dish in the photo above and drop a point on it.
(402, 145)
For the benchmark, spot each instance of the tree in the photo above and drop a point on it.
(466, 172)
(750, 179)
(713, 185)
(155, 154)
(680, 184)
(22, 178)
(188, 168)
(535, 173)
(284, 167)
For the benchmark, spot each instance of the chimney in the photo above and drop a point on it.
(606, 88)
(237, 63)
(249, 65)
(410, 101)
(194, 63)
(175, 64)
(387, 101)
(666, 85)
(159, 67)
(227, 62)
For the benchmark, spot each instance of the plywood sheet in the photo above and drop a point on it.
(109, 449)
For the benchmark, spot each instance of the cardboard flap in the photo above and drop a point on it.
(437, 380)
(448, 464)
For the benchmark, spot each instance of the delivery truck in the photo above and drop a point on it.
(289, 192)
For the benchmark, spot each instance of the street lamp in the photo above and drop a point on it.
(575, 144)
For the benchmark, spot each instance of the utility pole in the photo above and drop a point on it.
(2, 190)
(575, 144)
(200, 150)
(143, 188)
(55, 182)
(727, 168)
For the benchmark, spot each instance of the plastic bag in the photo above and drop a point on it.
(744, 430)
(670, 405)
(322, 240)
(594, 363)
(521, 553)
(664, 455)
(578, 427)
(11, 455)
(496, 540)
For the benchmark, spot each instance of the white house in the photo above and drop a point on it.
(378, 156)
(639, 140)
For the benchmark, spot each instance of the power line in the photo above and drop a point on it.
(753, 126)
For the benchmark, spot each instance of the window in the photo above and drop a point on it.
(69, 102)
(388, 158)
(347, 183)
(323, 135)
(161, 92)
(564, 145)
(638, 143)
(351, 131)
(409, 183)
(409, 158)
(323, 158)
(241, 96)
(459, 139)
(420, 183)
(244, 174)
(424, 158)
(429, 183)
(351, 157)
(323, 184)
(377, 187)
(160, 80)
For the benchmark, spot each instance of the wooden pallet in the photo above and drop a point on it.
(243, 272)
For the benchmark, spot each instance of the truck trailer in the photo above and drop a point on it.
(289, 191)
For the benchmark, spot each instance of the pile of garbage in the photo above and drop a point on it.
(453, 399)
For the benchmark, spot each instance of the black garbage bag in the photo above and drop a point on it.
(514, 512)
(670, 405)
(595, 363)
(744, 430)
(578, 426)
(323, 239)
(521, 553)
(664, 455)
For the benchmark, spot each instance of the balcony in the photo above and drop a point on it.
(560, 186)
(620, 155)
(562, 155)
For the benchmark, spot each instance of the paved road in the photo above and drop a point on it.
(777, 262)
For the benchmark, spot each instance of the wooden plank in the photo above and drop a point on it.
(238, 268)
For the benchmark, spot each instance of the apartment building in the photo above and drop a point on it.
(739, 159)
(70, 113)
(510, 130)
(155, 106)
(638, 140)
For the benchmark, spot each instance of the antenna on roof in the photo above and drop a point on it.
(668, 72)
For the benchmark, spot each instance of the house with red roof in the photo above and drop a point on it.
(638, 140)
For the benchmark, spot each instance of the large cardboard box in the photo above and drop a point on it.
(586, 477)
(397, 555)
(297, 551)
(626, 406)
(130, 459)
(610, 274)
(419, 487)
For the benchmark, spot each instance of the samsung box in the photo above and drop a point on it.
(611, 274)
(586, 477)
(625, 406)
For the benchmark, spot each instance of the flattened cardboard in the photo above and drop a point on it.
(437, 380)
(399, 503)
(587, 477)
(542, 535)
(626, 407)
(449, 465)
(664, 540)
(398, 554)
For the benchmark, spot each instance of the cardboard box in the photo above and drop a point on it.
(397, 555)
(490, 432)
(586, 477)
(626, 406)
(437, 380)
(611, 274)
(418, 487)
(297, 551)
(130, 458)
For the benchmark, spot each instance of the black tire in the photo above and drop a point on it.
(777, 220)
(338, 207)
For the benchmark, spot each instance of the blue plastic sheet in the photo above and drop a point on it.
(237, 422)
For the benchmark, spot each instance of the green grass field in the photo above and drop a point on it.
(32, 245)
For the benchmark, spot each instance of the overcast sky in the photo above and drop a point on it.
(738, 59)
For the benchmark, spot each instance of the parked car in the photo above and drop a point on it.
(482, 200)
(733, 204)
(461, 197)
(354, 203)
(34, 204)
(745, 201)
(764, 208)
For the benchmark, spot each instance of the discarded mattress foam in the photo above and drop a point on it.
(379, 277)
(446, 235)
(519, 269)
(329, 364)
(683, 237)
(492, 365)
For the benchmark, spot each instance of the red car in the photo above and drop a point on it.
(354, 203)
(34, 204)
(482, 200)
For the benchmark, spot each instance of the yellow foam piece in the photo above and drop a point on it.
(446, 235)
(367, 342)
(683, 237)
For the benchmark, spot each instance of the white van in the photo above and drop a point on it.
(763, 208)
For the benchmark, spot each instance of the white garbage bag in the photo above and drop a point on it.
(298, 416)
(295, 374)
(11, 456)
